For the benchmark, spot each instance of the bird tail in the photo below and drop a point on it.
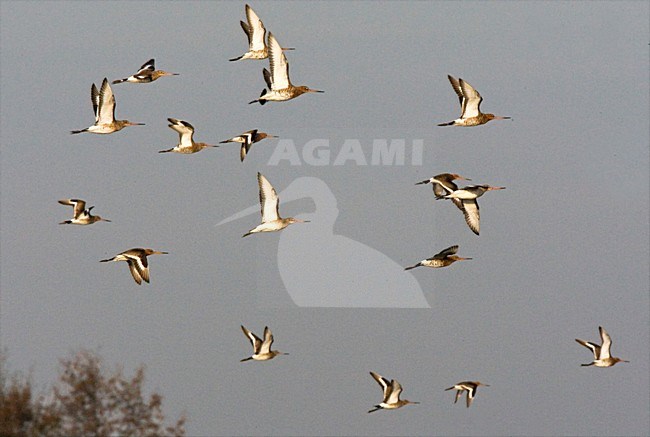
(260, 101)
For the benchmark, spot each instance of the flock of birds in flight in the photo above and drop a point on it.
(280, 88)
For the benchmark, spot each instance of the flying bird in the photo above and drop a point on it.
(104, 108)
(261, 349)
(467, 197)
(147, 73)
(247, 139)
(443, 259)
(602, 356)
(137, 261)
(470, 387)
(80, 215)
(470, 106)
(256, 33)
(269, 201)
(392, 389)
(186, 144)
(277, 81)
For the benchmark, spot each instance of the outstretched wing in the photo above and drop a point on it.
(106, 104)
(279, 65)
(254, 339)
(269, 200)
(471, 100)
(254, 30)
(445, 253)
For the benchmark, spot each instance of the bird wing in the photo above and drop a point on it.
(269, 200)
(383, 383)
(78, 206)
(472, 214)
(442, 187)
(243, 151)
(254, 339)
(279, 65)
(106, 111)
(137, 274)
(606, 344)
(445, 253)
(595, 349)
(249, 139)
(247, 143)
(268, 341)
(185, 131)
(247, 30)
(471, 100)
(94, 98)
(395, 391)
(146, 70)
(256, 31)
(471, 391)
(267, 78)
(456, 86)
(249, 135)
(137, 263)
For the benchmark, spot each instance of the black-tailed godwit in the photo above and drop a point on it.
(392, 390)
(470, 387)
(186, 144)
(104, 106)
(470, 106)
(261, 349)
(147, 73)
(270, 203)
(602, 356)
(80, 215)
(256, 33)
(442, 259)
(247, 139)
(277, 81)
(137, 261)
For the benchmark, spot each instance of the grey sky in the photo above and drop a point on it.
(563, 249)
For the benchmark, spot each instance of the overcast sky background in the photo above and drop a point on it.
(564, 249)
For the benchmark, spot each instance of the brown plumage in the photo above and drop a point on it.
(443, 259)
(146, 74)
(186, 144)
(137, 261)
(470, 105)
